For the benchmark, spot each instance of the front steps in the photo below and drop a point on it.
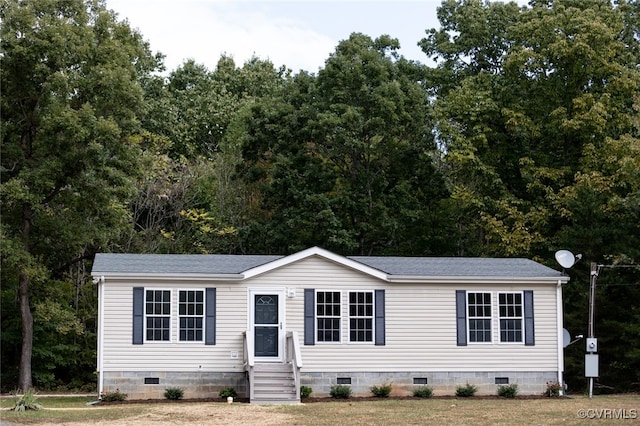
(273, 383)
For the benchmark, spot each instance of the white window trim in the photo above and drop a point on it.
(490, 318)
(373, 318)
(170, 316)
(521, 318)
(203, 316)
(341, 317)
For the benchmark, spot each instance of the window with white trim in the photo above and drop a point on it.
(328, 313)
(510, 312)
(158, 315)
(361, 316)
(191, 315)
(479, 316)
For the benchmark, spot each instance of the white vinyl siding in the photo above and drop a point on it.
(120, 355)
(420, 322)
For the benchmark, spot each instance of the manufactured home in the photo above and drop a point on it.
(266, 325)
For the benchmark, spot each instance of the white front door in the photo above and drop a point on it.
(267, 324)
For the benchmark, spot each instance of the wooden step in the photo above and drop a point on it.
(273, 383)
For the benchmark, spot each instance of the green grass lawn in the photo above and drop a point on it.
(472, 411)
(53, 402)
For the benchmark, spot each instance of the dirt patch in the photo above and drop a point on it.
(194, 413)
(207, 414)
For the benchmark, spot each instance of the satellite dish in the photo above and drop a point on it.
(566, 338)
(565, 258)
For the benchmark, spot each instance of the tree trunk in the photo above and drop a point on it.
(24, 379)
(24, 376)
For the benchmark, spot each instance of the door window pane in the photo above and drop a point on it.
(266, 309)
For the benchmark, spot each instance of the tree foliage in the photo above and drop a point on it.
(344, 158)
(537, 119)
(523, 138)
(70, 100)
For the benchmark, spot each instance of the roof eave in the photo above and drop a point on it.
(475, 280)
(168, 276)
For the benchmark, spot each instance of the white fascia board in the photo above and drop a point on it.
(475, 280)
(170, 277)
(316, 251)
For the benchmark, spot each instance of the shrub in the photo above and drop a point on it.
(305, 391)
(381, 391)
(28, 401)
(113, 396)
(174, 393)
(340, 391)
(423, 392)
(228, 392)
(508, 391)
(466, 390)
(553, 389)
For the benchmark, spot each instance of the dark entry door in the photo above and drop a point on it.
(266, 325)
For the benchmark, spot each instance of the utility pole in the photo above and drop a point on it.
(591, 358)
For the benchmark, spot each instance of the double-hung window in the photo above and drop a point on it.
(191, 315)
(503, 317)
(158, 315)
(479, 309)
(344, 317)
(361, 316)
(328, 312)
(510, 310)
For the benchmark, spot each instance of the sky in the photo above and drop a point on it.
(297, 34)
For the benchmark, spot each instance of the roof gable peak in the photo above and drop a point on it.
(316, 252)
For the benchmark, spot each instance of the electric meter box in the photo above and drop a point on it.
(591, 365)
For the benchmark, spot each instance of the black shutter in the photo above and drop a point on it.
(309, 316)
(379, 315)
(461, 317)
(210, 317)
(529, 329)
(138, 315)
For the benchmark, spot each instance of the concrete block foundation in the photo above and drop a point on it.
(152, 384)
(442, 383)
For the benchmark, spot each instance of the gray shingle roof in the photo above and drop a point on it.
(458, 266)
(177, 263)
(400, 266)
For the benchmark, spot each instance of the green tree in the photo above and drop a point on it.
(536, 117)
(527, 99)
(189, 201)
(70, 101)
(345, 158)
